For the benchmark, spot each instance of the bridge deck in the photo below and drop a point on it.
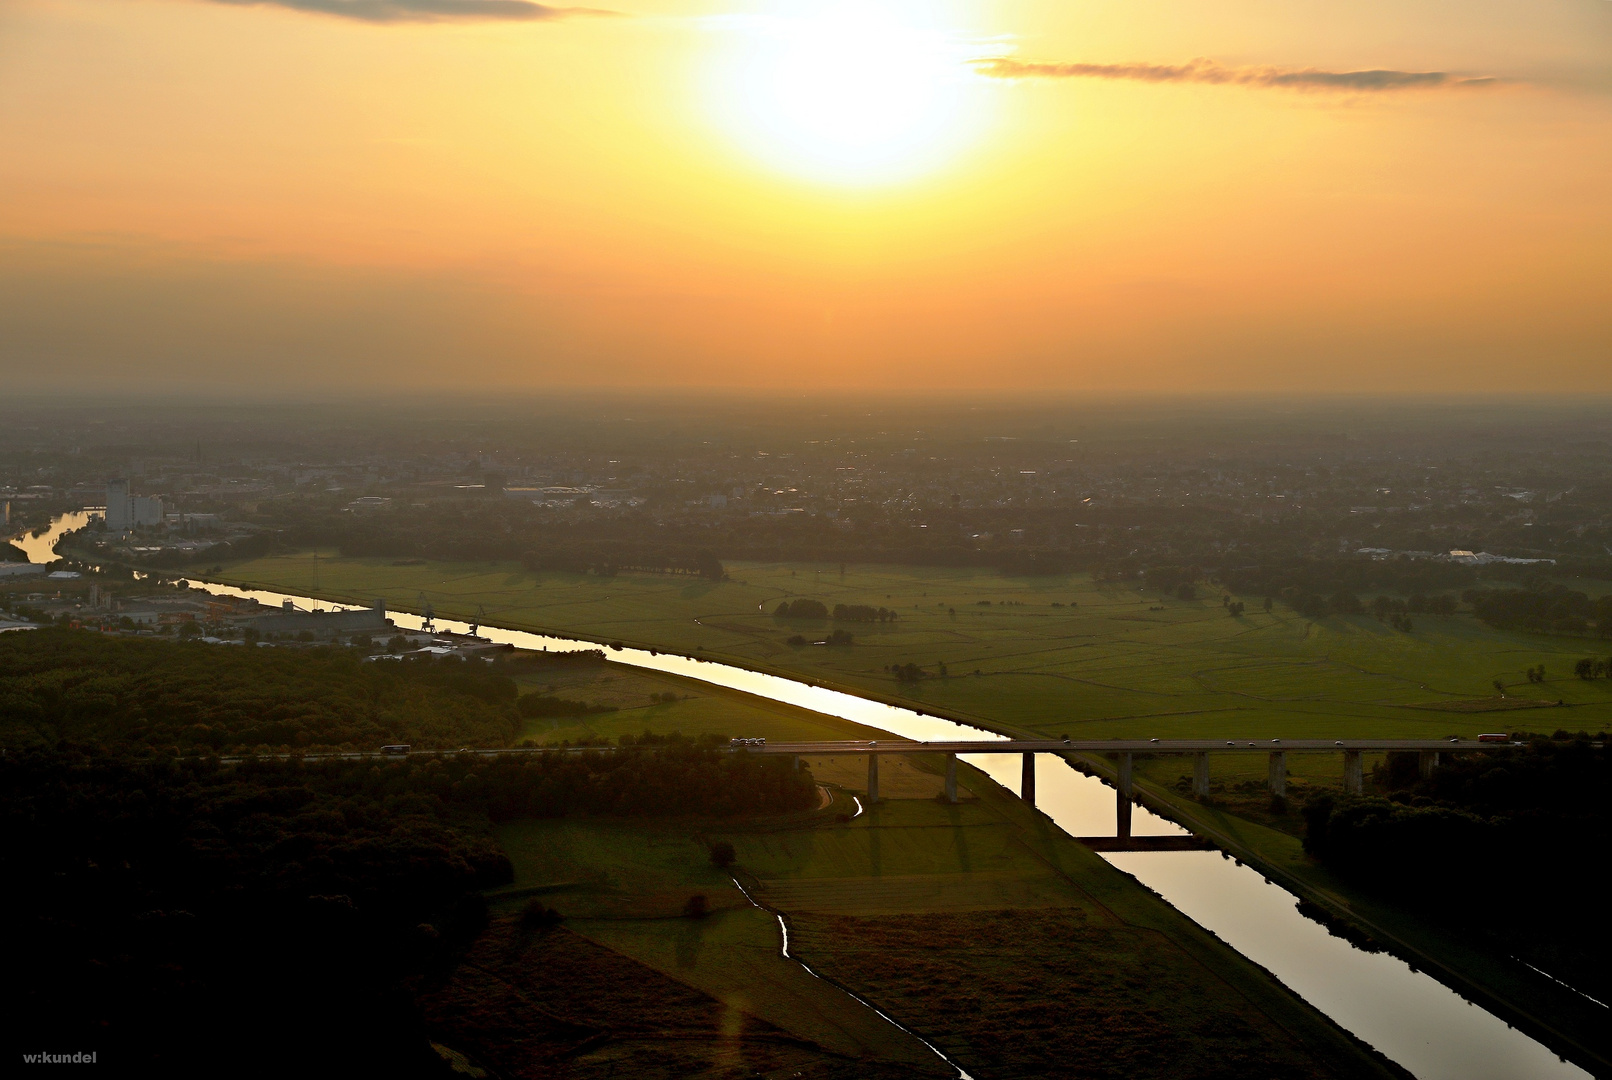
(1116, 746)
(980, 746)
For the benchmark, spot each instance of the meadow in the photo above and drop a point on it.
(980, 925)
(1059, 654)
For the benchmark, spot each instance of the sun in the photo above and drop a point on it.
(848, 93)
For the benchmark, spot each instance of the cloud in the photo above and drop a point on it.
(1208, 71)
(399, 11)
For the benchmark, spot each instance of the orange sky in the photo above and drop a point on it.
(321, 194)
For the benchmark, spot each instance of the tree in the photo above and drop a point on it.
(723, 855)
(709, 566)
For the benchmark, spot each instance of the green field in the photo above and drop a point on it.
(1032, 924)
(700, 708)
(1111, 661)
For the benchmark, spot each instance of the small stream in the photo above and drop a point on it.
(1412, 1018)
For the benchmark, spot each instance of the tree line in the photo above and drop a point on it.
(93, 689)
(1507, 846)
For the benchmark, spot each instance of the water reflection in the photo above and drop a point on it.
(1411, 1017)
(41, 546)
(1408, 1016)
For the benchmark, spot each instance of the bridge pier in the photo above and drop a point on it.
(873, 779)
(1426, 762)
(1027, 780)
(1278, 773)
(1353, 778)
(796, 763)
(1200, 775)
(951, 778)
(1122, 799)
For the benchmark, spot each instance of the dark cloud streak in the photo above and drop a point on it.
(1208, 71)
(401, 11)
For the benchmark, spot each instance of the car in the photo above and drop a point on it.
(1454, 739)
(1276, 740)
(1338, 743)
(1230, 743)
(873, 742)
(1153, 740)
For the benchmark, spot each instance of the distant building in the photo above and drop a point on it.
(125, 512)
(20, 569)
(119, 512)
(322, 624)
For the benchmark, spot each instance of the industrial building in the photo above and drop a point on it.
(322, 624)
(125, 511)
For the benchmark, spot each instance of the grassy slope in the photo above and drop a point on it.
(700, 708)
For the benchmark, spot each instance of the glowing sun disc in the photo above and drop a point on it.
(849, 93)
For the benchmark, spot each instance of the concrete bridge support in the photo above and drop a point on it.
(951, 778)
(1122, 799)
(1200, 775)
(1426, 762)
(1278, 773)
(873, 778)
(1353, 775)
(1027, 780)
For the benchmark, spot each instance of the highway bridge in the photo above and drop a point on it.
(1123, 751)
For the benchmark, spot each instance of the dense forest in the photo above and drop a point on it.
(96, 689)
(1508, 846)
(189, 918)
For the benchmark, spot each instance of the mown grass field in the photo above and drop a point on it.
(1111, 661)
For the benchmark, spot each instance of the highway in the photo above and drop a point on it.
(974, 746)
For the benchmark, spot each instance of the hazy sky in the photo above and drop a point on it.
(1170, 195)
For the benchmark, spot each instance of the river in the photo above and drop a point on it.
(1409, 1016)
(41, 546)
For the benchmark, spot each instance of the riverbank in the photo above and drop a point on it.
(1553, 1014)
